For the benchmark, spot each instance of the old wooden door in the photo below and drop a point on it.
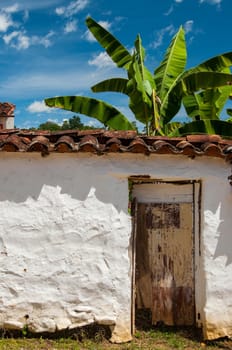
(164, 262)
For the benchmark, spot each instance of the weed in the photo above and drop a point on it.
(25, 330)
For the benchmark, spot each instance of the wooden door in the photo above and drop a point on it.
(164, 262)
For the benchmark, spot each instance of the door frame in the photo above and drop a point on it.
(197, 271)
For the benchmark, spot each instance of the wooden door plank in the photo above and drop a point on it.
(164, 281)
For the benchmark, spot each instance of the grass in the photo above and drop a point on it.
(152, 339)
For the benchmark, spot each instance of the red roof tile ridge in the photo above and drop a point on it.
(102, 141)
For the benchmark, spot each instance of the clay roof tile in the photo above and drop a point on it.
(188, 149)
(89, 143)
(210, 149)
(39, 144)
(102, 141)
(113, 145)
(138, 145)
(65, 144)
(164, 147)
(13, 143)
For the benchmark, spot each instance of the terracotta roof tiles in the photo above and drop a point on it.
(100, 141)
(7, 109)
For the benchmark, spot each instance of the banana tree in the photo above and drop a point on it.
(170, 84)
(153, 98)
(149, 97)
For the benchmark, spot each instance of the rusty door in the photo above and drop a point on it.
(164, 262)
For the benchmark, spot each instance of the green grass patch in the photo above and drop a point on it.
(153, 339)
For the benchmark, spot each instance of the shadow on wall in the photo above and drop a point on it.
(24, 177)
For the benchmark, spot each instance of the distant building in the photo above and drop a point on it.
(6, 115)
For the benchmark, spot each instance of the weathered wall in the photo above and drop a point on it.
(65, 247)
(7, 122)
(64, 253)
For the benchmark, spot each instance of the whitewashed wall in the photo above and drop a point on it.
(7, 122)
(65, 255)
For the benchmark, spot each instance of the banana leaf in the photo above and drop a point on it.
(140, 102)
(172, 127)
(104, 112)
(141, 87)
(147, 78)
(191, 104)
(208, 104)
(113, 85)
(187, 85)
(172, 65)
(118, 53)
(206, 126)
(215, 64)
(202, 80)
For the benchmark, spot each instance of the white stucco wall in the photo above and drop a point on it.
(65, 239)
(7, 122)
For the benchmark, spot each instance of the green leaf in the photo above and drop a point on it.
(215, 64)
(114, 85)
(140, 86)
(140, 103)
(172, 65)
(229, 112)
(146, 76)
(188, 84)
(170, 128)
(140, 50)
(118, 53)
(104, 112)
(192, 105)
(207, 126)
(202, 80)
(207, 104)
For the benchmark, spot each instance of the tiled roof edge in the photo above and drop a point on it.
(99, 141)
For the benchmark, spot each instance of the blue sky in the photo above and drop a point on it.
(46, 50)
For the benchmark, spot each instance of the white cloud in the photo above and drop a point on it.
(179, 1)
(18, 40)
(70, 26)
(73, 8)
(54, 120)
(8, 37)
(211, 2)
(169, 11)
(60, 11)
(29, 4)
(101, 61)
(5, 22)
(25, 15)
(44, 40)
(49, 83)
(21, 41)
(38, 107)
(89, 36)
(160, 35)
(11, 9)
(188, 26)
